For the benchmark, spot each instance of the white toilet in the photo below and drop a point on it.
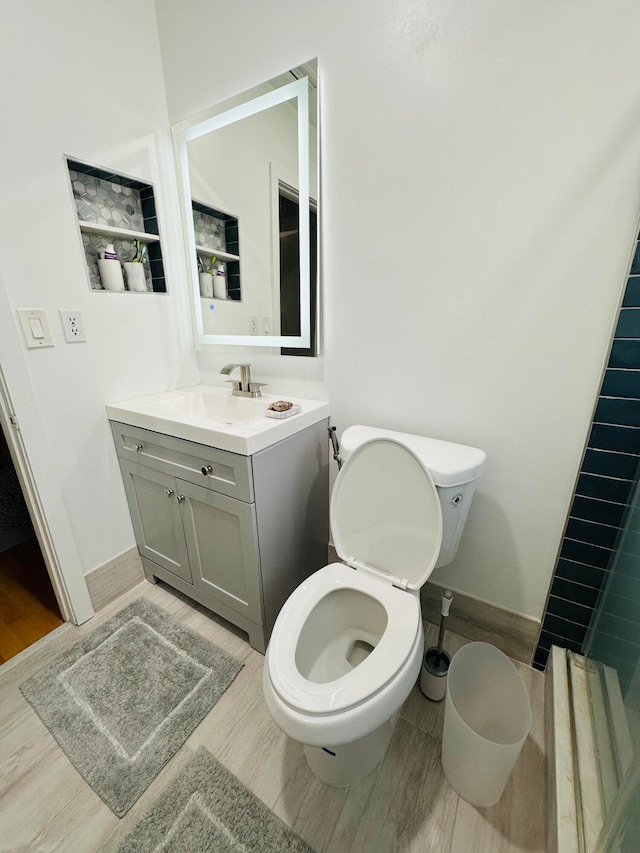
(347, 646)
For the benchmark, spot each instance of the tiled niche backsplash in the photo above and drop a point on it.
(209, 230)
(106, 203)
(605, 486)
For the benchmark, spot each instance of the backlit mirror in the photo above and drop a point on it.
(247, 168)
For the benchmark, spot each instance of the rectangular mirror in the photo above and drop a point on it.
(246, 169)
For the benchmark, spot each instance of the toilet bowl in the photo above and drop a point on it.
(346, 648)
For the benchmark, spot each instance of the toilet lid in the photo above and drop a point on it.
(385, 512)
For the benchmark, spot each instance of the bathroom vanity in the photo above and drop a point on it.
(228, 506)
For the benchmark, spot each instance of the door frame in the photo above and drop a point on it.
(29, 449)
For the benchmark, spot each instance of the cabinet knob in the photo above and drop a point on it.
(180, 498)
(137, 448)
(169, 492)
(206, 469)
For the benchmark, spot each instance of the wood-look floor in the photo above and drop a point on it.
(28, 607)
(407, 805)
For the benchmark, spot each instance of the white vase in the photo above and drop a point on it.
(110, 274)
(135, 276)
(220, 286)
(206, 285)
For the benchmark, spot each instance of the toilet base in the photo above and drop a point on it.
(348, 763)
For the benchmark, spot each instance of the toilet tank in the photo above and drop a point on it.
(453, 467)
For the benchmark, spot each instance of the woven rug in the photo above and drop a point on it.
(208, 809)
(123, 701)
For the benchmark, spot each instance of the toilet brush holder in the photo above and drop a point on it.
(433, 675)
(435, 667)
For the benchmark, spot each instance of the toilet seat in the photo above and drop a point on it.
(366, 679)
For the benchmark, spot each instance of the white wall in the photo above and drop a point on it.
(480, 190)
(83, 79)
(480, 174)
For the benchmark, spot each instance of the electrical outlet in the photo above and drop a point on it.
(253, 325)
(266, 325)
(72, 326)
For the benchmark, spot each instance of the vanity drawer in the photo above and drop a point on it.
(230, 473)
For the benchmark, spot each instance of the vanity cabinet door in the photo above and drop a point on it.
(222, 543)
(155, 512)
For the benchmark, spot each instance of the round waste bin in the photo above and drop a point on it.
(487, 718)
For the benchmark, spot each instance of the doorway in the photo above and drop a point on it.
(28, 606)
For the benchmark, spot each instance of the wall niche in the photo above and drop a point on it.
(217, 235)
(117, 209)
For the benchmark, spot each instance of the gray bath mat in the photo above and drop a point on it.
(123, 701)
(208, 809)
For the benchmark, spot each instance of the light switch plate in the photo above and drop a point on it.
(35, 327)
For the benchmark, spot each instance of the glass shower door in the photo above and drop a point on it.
(612, 649)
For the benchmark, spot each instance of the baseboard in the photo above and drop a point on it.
(513, 634)
(114, 578)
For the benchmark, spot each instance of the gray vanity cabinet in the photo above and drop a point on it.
(156, 516)
(180, 526)
(222, 544)
(236, 533)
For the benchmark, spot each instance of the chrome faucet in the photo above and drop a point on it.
(245, 387)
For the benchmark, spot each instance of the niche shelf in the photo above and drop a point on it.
(218, 253)
(115, 233)
(116, 208)
(217, 233)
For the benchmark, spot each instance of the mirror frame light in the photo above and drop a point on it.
(193, 129)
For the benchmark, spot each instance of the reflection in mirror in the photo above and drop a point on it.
(289, 224)
(247, 168)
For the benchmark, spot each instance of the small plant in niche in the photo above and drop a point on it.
(207, 267)
(140, 253)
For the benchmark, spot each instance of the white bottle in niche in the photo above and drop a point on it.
(220, 283)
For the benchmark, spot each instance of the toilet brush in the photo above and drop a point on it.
(435, 667)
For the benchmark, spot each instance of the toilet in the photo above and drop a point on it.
(346, 648)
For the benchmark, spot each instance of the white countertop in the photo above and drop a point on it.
(212, 416)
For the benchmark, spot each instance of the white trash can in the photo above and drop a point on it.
(487, 719)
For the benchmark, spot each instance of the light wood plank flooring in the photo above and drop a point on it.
(28, 607)
(407, 805)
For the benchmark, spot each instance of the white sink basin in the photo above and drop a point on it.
(215, 408)
(213, 416)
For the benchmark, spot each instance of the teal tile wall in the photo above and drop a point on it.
(604, 489)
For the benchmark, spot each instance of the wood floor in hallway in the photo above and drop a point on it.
(406, 805)
(28, 607)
